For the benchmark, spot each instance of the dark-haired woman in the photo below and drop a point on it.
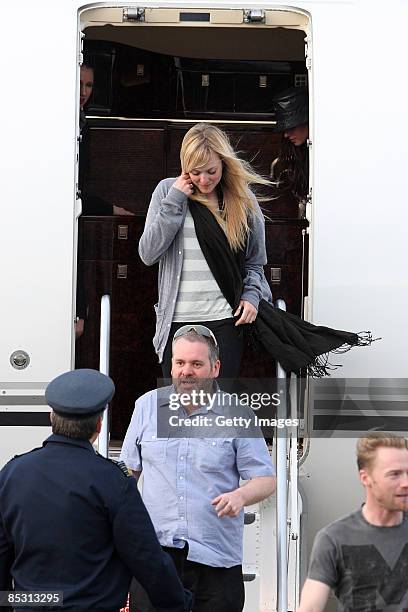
(290, 170)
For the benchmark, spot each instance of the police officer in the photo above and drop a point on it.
(73, 521)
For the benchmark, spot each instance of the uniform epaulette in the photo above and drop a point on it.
(27, 453)
(21, 455)
(121, 465)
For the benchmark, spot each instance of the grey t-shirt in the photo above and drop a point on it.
(365, 565)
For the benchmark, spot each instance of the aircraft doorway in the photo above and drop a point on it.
(154, 79)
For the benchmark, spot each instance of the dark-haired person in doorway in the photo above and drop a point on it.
(363, 557)
(290, 170)
(91, 204)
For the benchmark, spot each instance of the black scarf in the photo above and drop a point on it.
(295, 343)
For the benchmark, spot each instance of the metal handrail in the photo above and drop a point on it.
(293, 480)
(293, 461)
(104, 350)
(281, 494)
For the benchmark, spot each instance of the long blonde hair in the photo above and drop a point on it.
(198, 145)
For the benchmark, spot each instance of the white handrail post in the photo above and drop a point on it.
(281, 490)
(293, 460)
(104, 346)
(293, 480)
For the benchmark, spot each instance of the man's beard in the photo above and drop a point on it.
(393, 503)
(191, 384)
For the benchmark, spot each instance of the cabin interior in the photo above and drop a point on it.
(153, 81)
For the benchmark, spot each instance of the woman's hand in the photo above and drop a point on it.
(184, 184)
(248, 313)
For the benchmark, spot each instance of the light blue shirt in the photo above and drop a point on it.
(181, 476)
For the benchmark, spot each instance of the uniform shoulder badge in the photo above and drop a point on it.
(118, 463)
(123, 467)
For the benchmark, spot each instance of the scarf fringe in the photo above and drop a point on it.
(321, 365)
(364, 338)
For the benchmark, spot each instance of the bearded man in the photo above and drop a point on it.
(191, 485)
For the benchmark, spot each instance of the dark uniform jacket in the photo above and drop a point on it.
(72, 521)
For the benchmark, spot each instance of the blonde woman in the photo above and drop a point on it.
(214, 185)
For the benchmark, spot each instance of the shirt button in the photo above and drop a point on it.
(179, 252)
(181, 497)
(181, 458)
(181, 477)
(181, 518)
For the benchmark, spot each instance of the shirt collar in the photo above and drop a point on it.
(57, 439)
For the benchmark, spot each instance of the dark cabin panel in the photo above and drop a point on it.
(118, 271)
(125, 164)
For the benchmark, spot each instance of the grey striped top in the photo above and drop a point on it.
(199, 297)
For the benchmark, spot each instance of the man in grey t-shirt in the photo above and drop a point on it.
(363, 557)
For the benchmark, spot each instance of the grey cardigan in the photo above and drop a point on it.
(162, 241)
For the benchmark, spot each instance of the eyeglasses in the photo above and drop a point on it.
(201, 330)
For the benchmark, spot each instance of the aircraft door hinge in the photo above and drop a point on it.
(254, 16)
(136, 13)
(81, 48)
(308, 53)
(309, 201)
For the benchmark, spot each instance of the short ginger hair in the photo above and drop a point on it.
(368, 445)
